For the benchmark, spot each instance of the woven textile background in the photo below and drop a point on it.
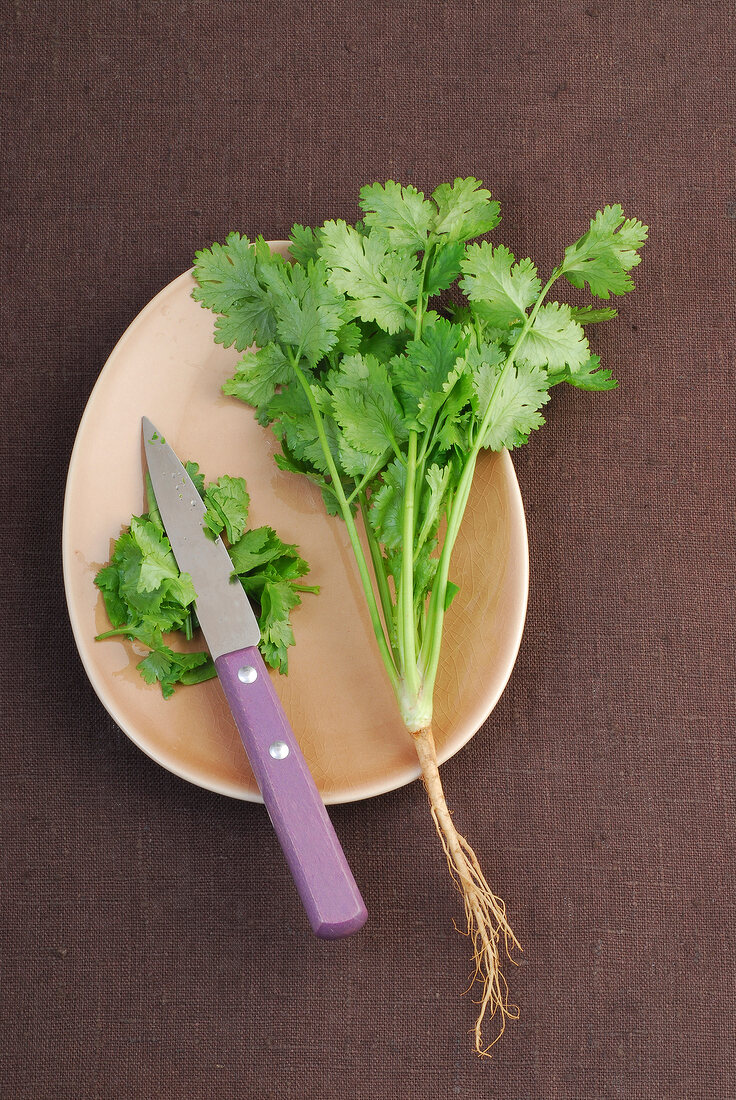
(152, 946)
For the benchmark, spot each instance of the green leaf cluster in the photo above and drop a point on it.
(382, 389)
(147, 598)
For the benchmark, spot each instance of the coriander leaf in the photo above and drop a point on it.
(451, 593)
(354, 461)
(197, 674)
(154, 514)
(257, 547)
(331, 503)
(156, 666)
(253, 322)
(288, 566)
(304, 244)
(464, 210)
(443, 267)
(401, 213)
(437, 482)
(349, 338)
(422, 371)
(158, 564)
(169, 667)
(267, 559)
(424, 570)
(386, 506)
(484, 352)
(587, 315)
(515, 395)
(166, 605)
(278, 599)
(591, 376)
(432, 384)
(365, 407)
(555, 340)
(256, 377)
(108, 582)
(604, 255)
(233, 280)
(382, 345)
(292, 416)
(294, 426)
(501, 289)
(309, 312)
(192, 468)
(227, 503)
(226, 274)
(381, 283)
(288, 462)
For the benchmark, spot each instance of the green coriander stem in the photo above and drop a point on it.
(419, 482)
(118, 632)
(396, 448)
(436, 615)
(379, 571)
(429, 658)
(421, 300)
(347, 514)
(408, 652)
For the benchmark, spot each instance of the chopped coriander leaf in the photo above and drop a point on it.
(147, 598)
(227, 503)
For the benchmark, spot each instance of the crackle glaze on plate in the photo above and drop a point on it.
(336, 695)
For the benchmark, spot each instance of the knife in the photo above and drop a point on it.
(313, 853)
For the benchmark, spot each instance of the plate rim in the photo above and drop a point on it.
(99, 683)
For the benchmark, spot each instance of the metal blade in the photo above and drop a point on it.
(223, 609)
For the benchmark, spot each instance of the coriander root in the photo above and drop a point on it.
(484, 912)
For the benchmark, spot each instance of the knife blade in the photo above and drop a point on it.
(308, 840)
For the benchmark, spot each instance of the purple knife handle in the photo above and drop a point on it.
(316, 860)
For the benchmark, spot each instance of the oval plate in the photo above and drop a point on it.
(167, 367)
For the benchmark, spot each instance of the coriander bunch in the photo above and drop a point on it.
(385, 399)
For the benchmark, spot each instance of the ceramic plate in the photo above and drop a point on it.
(167, 367)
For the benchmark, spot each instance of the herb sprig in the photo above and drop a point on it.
(385, 400)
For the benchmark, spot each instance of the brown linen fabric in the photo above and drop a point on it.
(151, 943)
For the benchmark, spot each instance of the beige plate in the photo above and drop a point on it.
(336, 695)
